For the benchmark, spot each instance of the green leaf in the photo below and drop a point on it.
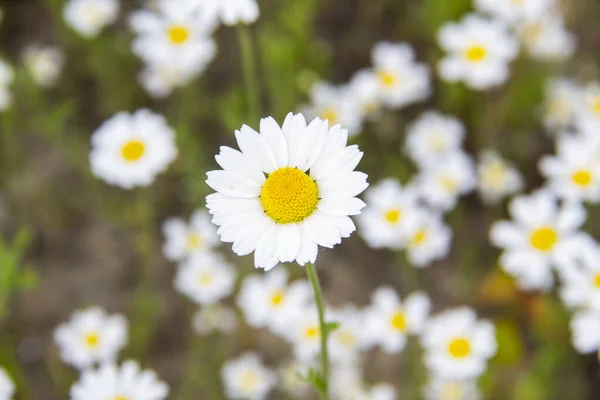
(315, 378)
(331, 326)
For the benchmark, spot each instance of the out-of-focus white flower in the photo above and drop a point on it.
(215, 318)
(432, 136)
(183, 240)
(347, 384)
(131, 149)
(304, 334)
(402, 80)
(231, 12)
(205, 278)
(585, 331)
(7, 387)
(89, 17)
(563, 97)
(514, 10)
(44, 64)
(496, 178)
(580, 279)
(291, 380)
(306, 199)
(428, 238)
(547, 38)
(389, 206)
(111, 382)
(247, 378)
(348, 339)
(540, 236)
(388, 321)
(364, 90)
(91, 337)
(159, 79)
(479, 51)
(457, 345)
(6, 77)
(438, 388)
(588, 110)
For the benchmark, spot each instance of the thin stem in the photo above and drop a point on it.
(314, 281)
(249, 69)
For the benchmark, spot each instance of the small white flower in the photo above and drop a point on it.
(205, 278)
(304, 334)
(580, 279)
(131, 149)
(539, 237)
(290, 379)
(183, 240)
(563, 97)
(496, 178)
(438, 388)
(547, 39)
(402, 80)
(479, 51)
(389, 321)
(7, 387)
(215, 318)
(428, 238)
(364, 89)
(588, 111)
(348, 339)
(6, 78)
(44, 64)
(159, 79)
(585, 330)
(347, 384)
(247, 378)
(89, 17)
(231, 12)
(514, 10)
(457, 345)
(91, 337)
(111, 382)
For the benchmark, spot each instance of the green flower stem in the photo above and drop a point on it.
(314, 281)
(249, 70)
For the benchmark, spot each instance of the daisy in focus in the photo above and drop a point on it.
(7, 387)
(129, 150)
(89, 17)
(289, 190)
(6, 78)
(231, 12)
(438, 388)
(183, 240)
(563, 97)
(479, 51)
(580, 281)
(216, 318)
(428, 238)
(497, 178)
(113, 382)
(91, 337)
(247, 378)
(44, 64)
(585, 331)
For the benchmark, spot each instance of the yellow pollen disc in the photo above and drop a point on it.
(133, 150)
(582, 177)
(178, 34)
(398, 321)
(494, 176)
(393, 216)
(193, 241)
(533, 32)
(121, 398)
(449, 184)
(277, 298)
(453, 391)
(459, 348)
(205, 279)
(596, 105)
(249, 381)
(330, 115)
(387, 79)
(289, 196)
(92, 340)
(597, 281)
(419, 237)
(476, 53)
(347, 338)
(544, 238)
(311, 332)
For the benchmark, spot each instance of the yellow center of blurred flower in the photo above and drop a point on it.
(597, 281)
(453, 391)
(289, 196)
(133, 150)
(533, 32)
(419, 237)
(544, 238)
(387, 79)
(121, 398)
(476, 53)
(494, 176)
(193, 241)
(205, 279)
(277, 298)
(559, 108)
(582, 177)
(330, 115)
(312, 332)
(249, 381)
(393, 216)
(346, 337)
(92, 340)
(178, 34)
(398, 321)
(459, 348)
(437, 142)
(596, 105)
(449, 184)
(370, 107)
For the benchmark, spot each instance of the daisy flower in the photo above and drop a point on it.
(304, 200)
(580, 281)
(91, 337)
(111, 382)
(496, 178)
(347, 384)
(215, 318)
(547, 39)
(364, 90)
(304, 334)
(514, 10)
(247, 378)
(159, 79)
(7, 387)
(348, 339)
(402, 80)
(383, 222)
(479, 51)
(231, 12)
(588, 111)
(290, 379)
(563, 97)
(89, 17)
(183, 240)
(205, 278)
(131, 149)
(432, 136)
(6, 78)
(457, 345)
(388, 321)
(540, 236)
(428, 238)
(438, 388)
(585, 331)
(44, 64)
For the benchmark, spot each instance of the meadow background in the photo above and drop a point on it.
(68, 240)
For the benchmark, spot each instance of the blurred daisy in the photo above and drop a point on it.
(348, 339)
(111, 382)
(496, 178)
(479, 51)
(205, 278)
(514, 10)
(539, 237)
(6, 78)
(214, 318)
(364, 90)
(7, 387)
(231, 12)
(247, 378)
(91, 337)
(183, 240)
(563, 97)
(347, 384)
(580, 281)
(131, 149)
(457, 345)
(428, 238)
(402, 80)
(547, 39)
(290, 379)
(439, 388)
(304, 334)
(432, 136)
(159, 79)
(304, 200)
(383, 222)
(89, 17)
(388, 321)
(588, 111)
(585, 331)
(44, 64)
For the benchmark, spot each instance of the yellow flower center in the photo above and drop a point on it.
(347, 338)
(597, 281)
(205, 279)
(494, 176)
(544, 238)
(582, 177)
(596, 105)
(312, 332)
(533, 32)
(387, 79)
(178, 34)
(459, 348)
(398, 321)
(92, 340)
(289, 196)
(330, 115)
(193, 241)
(393, 216)
(453, 391)
(133, 150)
(249, 381)
(121, 398)
(419, 237)
(476, 53)
(277, 298)
(449, 184)
(559, 108)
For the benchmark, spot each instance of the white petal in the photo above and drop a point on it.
(288, 242)
(233, 184)
(256, 148)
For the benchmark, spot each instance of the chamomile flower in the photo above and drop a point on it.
(479, 51)
(428, 238)
(539, 236)
(348, 339)
(547, 39)
(514, 10)
(290, 379)
(304, 200)
(89, 17)
(183, 240)
(112, 382)
(6, 78)
(304, 334)
(214, 318)
(432, 136)
(496, 178)
(580, 281)
(457, 345)
(585, 331)
(247, 378)
(563, 97)
(7, 387)
(159, 79)
(347, 384)
(588, 111)
(383, 222)
(44, 64)
(364, 89)
(131, 149)
(231, 12)
(402, 80)
(205, 278)
(438, 388)
(388, 321)
(91, 337)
